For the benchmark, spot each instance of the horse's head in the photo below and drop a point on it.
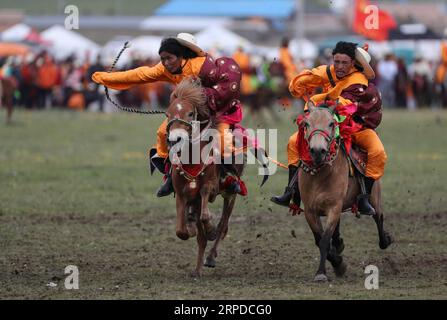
(319, 127)
(187, 104)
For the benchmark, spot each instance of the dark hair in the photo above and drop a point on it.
(172, 46)
(284, 42)
(347, 48)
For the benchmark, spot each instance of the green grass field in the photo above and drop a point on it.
(75, 189)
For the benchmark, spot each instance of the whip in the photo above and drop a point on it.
(126, 45)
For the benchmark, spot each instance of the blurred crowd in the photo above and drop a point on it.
(41, 82)
(411, 85)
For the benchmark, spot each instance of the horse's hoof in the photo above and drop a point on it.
(210, 262)
(210, 232)
(212, 235)
(196, 274)
(182, 235)
(340, 270)
(387, 242)
(192, 229)
(321, 278)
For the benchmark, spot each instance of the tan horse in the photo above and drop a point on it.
(195, 190)
(330, 191)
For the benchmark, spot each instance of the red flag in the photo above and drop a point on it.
(372, 22)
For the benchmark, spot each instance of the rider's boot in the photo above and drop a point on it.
(290, 191)
(364, 206)
(166, 188)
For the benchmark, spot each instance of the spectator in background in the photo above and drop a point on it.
(47, 78)
(402, 84)
(243, 60)
(27, 87)
(286, 59)
(441, 73)
(92, 93)
(73, 78)
(421, 74)
(387, 70)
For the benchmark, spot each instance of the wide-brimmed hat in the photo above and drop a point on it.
(188, 40)
(363, 58)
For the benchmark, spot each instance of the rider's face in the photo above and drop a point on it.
(342, 64)
(171, 62)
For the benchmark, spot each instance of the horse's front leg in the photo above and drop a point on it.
(205, 216)
(180, 229)
(385, 238)
(326, 252)
(201, 242)
(314, 222)
(222, 229)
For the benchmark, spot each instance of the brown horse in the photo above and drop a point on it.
(196, 185)
(331, 190)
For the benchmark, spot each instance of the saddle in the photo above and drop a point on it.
(357, 160)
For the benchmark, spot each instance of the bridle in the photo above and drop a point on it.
(330, 139)
(190, 124)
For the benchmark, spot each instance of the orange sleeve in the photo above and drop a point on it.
(444, 53)
(125, 79)
(307, 81)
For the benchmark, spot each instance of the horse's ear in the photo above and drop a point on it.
(334, 106)
(173, 96)
(310, 105)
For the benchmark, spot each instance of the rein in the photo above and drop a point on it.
(133, 110)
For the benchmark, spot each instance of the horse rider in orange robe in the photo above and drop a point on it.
(286, 59)
(346, 80)
(181, 57)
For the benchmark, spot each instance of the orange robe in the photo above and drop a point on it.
(304, 85)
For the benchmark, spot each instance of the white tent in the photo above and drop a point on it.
(222, 40)
(304, 49)
(184, 23)
(16, 33)
(140, 47)
(146, 46)
(111, 49)
(66, 42)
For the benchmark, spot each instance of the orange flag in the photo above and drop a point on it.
(372, 22)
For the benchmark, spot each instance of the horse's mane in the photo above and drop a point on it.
(192, 91)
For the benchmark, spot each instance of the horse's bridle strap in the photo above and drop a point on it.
(325, 135)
